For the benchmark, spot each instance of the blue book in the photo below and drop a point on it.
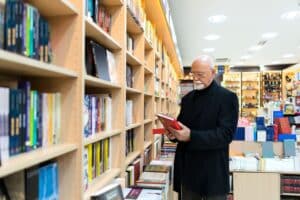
(48, 182)
(26, 87)
(289, 148)
(267, 150)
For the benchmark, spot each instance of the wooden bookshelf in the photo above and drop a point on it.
(132, 60)
(53, 8)
(133, 91)
(101, 181)
(147, 144)
(101, 136)
(67, 75)
(29, 159)
(98, 34)
(91, 81)
(131, 157)
(11, 63)
(133, 126)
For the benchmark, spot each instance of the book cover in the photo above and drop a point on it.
(48, 182)
(32, 183)
(168, 121)
(90, 162)
(85, 169)
(101, 62)
(110, 192)
(2, 23)
(86, 116)
(112, 67)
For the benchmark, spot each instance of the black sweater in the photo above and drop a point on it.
(202, 164)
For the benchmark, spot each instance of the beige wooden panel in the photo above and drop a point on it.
(258, 186)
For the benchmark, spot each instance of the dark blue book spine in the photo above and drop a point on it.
(20, 28)
(26, 86)
(23, 120)
(8, 25)
(24, 25)
(2, 25)
(40, 120)
(14, 9)
(12, 114)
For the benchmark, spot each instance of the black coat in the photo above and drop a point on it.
(202, 164)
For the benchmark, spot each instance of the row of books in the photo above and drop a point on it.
(28, 119)
(130, 145)
(99, 14)
(133, 172)
(130, 43)
(129, 112)
(96, 160)
(39, 182)
(100, 62)
(129, 76)
(290, 184)
(97, 114)
(136, 10)
(24, 31)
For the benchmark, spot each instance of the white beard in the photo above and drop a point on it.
(199, 86)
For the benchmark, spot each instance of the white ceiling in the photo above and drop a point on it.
(246, 22)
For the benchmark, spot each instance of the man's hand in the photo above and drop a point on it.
(183, 135)
(170, 135)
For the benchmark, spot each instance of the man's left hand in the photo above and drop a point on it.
(183, 135)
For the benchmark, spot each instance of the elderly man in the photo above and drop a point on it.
(208, 118)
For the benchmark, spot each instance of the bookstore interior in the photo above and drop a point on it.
(82, 84)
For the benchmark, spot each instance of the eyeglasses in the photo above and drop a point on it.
(199, 75)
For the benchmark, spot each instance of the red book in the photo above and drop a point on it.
(169, 121)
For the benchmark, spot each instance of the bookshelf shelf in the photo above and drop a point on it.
(112, 2)
(132, 91)
(51, 8)
(132, 25)
(133, 126)
(148, 70)
(101, 181)
(26, 160)
(148, 45)
(132, 60)
(131, 157)
(147, 94)
(147, 121)
(11, 63)
(291, 194)
(91, 81)
(157, 56)
(101, 136)
(147, 144)
(98, 34)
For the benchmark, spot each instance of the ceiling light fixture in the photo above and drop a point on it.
(288, 55)
(216, 19)
(291, 15)
(212, 37)
(208, 50)
(269, 35)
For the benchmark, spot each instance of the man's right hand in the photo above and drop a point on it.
(170, 135)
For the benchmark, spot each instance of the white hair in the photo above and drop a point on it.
(207, 59)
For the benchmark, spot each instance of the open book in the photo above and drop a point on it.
(168, 121)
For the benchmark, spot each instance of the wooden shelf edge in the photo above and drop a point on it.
(146, 121)
(132, 60)
(290, 194)
(26, 160)
(148, 45)
(133, 126)
(147, 144)
(98, 34)
(101, 136)
(12, 62)
(132, 25)
(96, 82)
(133, 91)
(131, 157)
(101, 181)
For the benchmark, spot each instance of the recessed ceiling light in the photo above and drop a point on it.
(255, 48)
(288, 55)
(269, 35)
(245, 57)
(275, 62)
(212, 37)
(215, 19)
(208, 50)
(291, 15)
